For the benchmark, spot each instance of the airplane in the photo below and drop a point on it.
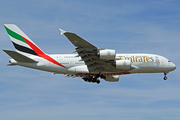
(90, 63)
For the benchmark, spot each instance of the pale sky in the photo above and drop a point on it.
(128, 26)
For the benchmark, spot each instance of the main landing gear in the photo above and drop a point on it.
(165, 77)
(93, 79)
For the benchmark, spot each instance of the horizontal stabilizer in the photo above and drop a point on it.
(11, 64)
(19, 57)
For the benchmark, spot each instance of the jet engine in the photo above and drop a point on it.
(113, 78)
(123, 64)
(107, 54)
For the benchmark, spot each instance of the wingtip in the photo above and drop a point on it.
(62, 31)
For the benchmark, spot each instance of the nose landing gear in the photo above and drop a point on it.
(165, 77)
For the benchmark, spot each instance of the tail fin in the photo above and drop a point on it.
(25, 45)
(21, 41)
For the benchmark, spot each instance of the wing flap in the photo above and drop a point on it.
(19, 57)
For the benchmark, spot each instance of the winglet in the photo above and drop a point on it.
(62, 31)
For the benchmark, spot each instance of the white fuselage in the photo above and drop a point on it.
(91, 62)
(142, 63)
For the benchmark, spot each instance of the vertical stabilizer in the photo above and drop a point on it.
(25, 45)
(21, 41)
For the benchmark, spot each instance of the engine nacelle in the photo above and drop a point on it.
(123, 64)
(113, 78)
(107, 54)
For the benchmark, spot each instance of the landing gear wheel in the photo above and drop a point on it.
(91, 78)
(98, 81)
(165, 78)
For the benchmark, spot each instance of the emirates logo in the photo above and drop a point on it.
(124, 63)
(108, 53)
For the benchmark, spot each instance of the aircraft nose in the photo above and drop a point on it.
(173, 66)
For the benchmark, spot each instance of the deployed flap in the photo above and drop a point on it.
(78, 41)
(19, 57)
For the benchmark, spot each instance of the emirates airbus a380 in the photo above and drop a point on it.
(90, 63)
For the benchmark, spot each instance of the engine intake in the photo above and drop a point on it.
(123, 64)
(107, 54)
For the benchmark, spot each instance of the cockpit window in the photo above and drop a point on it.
(169, 61)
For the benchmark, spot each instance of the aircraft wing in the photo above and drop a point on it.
(78, 41)
(89, 54)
